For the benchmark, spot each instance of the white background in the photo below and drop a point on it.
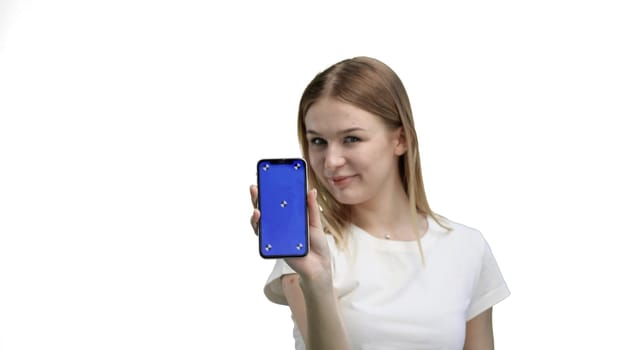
(129, 132)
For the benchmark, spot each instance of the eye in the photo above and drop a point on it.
(351, 139)
(317, 141)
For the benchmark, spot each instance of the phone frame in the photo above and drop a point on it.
(263, 249)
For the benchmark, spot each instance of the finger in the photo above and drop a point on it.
(253, 191)
(255, 220)
(314, 209)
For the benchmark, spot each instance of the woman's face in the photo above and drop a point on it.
(351, 151)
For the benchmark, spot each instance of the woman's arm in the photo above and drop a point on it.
(316, 312)
(479, 335)
(310, 292)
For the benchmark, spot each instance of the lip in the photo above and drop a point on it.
(341, 181)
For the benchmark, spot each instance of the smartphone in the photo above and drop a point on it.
(283, 226)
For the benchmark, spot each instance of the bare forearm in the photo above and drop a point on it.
(325, 329)
(479, 334)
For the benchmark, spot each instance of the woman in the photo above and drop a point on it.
(384, 271)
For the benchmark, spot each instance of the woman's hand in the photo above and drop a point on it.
(316, 265)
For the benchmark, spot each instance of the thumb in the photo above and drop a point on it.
(314, 210)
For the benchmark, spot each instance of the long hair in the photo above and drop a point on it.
(371, 85)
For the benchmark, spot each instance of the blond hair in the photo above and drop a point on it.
(371, 85)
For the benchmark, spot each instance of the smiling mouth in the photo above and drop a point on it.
(341, 180)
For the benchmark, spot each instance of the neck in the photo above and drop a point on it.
(388, 215)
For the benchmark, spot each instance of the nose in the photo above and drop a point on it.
(333, 158)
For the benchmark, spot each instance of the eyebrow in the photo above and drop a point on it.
(346, 131)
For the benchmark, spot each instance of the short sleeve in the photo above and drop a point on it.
(273, 288)
(490, 287)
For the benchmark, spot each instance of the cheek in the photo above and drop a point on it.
(375, 159)
(316, 162)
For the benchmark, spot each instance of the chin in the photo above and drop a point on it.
(346, 198)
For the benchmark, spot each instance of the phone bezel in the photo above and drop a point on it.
(280, 161)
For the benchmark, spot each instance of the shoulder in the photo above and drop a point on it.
(458, 228)
(463, 236)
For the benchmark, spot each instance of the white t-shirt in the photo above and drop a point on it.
(390, 301)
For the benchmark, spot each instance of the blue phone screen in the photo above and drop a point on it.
(282, 201)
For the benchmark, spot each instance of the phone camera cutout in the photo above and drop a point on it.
(283, 203)
(299, 246)
(266, 167)
(268, 247)
(297, 166)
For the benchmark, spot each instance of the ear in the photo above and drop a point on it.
(399, 140)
